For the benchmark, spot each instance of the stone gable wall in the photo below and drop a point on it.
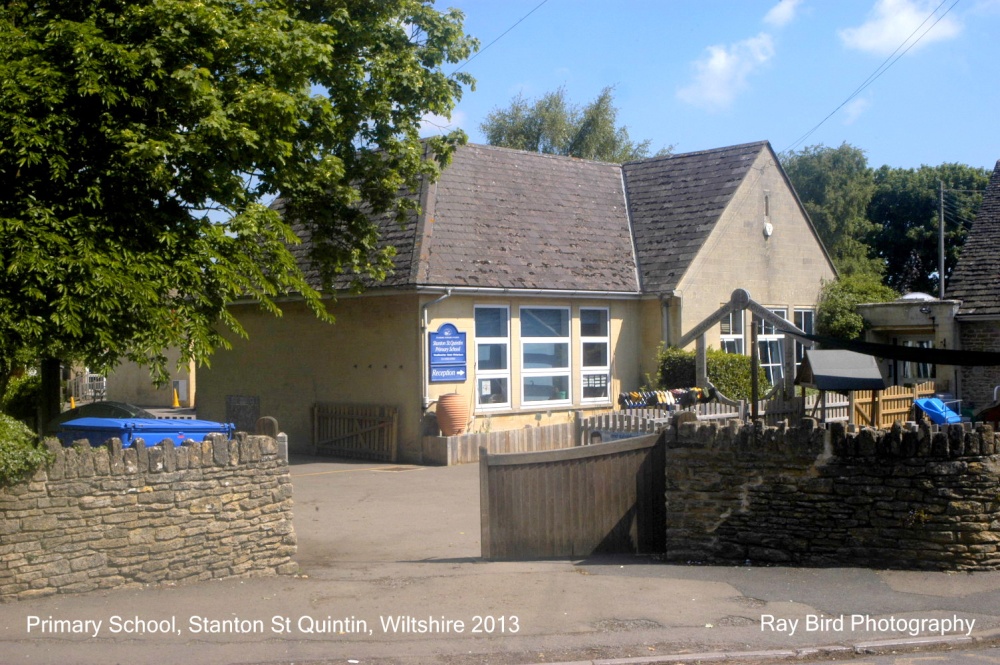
(107, 517)
(912, 499)
(978, 382)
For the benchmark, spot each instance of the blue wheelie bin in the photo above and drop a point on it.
(151, 430)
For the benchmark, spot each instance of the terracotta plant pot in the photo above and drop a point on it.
(452, 414)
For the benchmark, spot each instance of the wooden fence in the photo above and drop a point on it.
(574, 502)
(356, 430)
(882, 408)
(464, 448)
(778, 408)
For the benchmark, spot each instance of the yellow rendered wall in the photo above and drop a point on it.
(130, 382)
(784, 270)
(371, 355)
(625, 352)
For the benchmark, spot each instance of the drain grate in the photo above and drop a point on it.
(391, 469)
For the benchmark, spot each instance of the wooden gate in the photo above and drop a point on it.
(356, 430)
(604, 498)
(882, 408)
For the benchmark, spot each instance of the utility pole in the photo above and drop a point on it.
(941, 239)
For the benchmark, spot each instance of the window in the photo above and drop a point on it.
(805, 320)
(914, 371)
(595, 347)
(731, 333)
(769, 347)
(545, 362)
(492, 357)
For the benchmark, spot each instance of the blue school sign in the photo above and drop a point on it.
(448, 357)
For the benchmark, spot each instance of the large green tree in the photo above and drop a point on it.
(141, 140)
(906, 211)
(552, 125)
(836, 186)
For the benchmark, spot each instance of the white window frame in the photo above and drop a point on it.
(596, 372)
(738, 338)
(768, 340)
(529, 373)
(800, 349)
(492, 374)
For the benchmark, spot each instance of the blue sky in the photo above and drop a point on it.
(699, 74)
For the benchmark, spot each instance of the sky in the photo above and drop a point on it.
(701, 74)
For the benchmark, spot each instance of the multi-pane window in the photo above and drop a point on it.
(805, 320)
(595, 347)
(545, 358)
(492, 357)
(769, 347)
(731, 333)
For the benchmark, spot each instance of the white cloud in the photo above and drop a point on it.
(782, 13)
(723, 72)
(890, 22)
(432, 123)
(854, 109)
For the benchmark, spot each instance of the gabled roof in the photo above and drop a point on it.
(675, 203)
(500, 218)
(513, 219)
(510, 219)
(976, 279)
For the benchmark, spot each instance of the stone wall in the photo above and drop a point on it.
(914, 499)
(978, 382)
(108, 517)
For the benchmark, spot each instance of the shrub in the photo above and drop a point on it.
(728, 372)
(20, 451)
(22, 398)
(675, 368)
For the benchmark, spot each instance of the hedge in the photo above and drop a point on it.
(729, 372)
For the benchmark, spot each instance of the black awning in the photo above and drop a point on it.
(908, 353)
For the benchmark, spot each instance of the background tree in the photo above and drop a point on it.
(836, 312)
(905, 210)
(836, 186)
(551, 125)
(124, 124)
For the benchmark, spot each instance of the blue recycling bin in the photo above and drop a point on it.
(151, 430)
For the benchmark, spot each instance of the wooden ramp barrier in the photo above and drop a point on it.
(606, 498)
(360, 431)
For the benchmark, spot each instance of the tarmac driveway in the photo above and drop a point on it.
(390, 574)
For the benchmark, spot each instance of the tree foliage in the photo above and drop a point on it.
(140, 141)
(836, 312)
(552, 125)
(906, 211)
(836, 186)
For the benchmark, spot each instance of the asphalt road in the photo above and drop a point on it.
(390, 573)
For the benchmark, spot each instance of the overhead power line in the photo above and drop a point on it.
(480, 51)
(881, 69)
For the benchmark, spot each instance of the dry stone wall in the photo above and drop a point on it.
(108, 517)
(912, 499)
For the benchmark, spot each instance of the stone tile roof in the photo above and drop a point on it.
(675, 202)
(512, 219)
(976, 279)
(501, 218)
(391, 233)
